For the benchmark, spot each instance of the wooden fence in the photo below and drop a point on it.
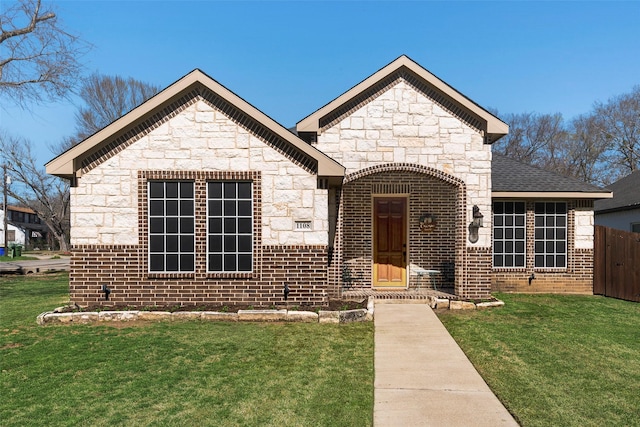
(616, 264)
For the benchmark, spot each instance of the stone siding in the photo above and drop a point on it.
(104, 205)
(584, 225)
(402, 125)
(402, 128)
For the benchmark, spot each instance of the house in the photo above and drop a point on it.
(198, 197)
(623, 210)
(23, 228)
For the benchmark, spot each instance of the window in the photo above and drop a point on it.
(229, 226)
(635, 227)
(550, 235)
(171, 226)
(509, 234)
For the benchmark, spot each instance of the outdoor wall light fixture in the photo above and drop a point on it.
(106, 291)
(286, 291)
(476, 223)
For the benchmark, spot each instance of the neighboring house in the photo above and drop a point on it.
(198, 197)
(623, 210)
(23, 227)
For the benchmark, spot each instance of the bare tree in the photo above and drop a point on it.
(106, 99)
(586, 155)
(47, 195)
(619, 126)
(533, 138)
(599, 147)
(38, 57)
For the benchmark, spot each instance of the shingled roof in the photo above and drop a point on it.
(511, 178)
(626, 195)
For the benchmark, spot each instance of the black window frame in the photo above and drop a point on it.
(551, 235)
(509, 245)
(171, 234)
(230, 227)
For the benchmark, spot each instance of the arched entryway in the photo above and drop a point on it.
(396, 222)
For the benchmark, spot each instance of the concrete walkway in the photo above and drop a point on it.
(422, 377)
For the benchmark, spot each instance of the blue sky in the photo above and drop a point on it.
(289, 58)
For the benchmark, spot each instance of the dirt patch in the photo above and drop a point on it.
(334, 305)
(11, 345)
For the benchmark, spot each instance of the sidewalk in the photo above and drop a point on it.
(34, 266)
(422, 377)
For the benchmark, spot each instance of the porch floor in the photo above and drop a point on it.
(402, 294)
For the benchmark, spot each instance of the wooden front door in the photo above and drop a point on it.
(390, 242)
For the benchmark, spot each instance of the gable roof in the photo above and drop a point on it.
(511, 178)
(626, 195)
(144, 118)
(403, 66)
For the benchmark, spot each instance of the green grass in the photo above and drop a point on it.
(557, 360)
(176, 373)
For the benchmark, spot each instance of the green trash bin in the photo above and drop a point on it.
(18, 250)
(12, 250)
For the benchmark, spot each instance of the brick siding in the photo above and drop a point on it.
(576, 278)
(428, 191)
(303, 268)
(478, 283)
(427, 195)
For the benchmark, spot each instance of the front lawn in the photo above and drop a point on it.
(557, 360)
(176, 373)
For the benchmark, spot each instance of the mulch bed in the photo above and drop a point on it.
(334, 305)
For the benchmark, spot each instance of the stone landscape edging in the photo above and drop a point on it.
(322, 316)
(358, 315)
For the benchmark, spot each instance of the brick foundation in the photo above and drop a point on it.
(578, 279)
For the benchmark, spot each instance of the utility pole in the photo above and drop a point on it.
(4, 207)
